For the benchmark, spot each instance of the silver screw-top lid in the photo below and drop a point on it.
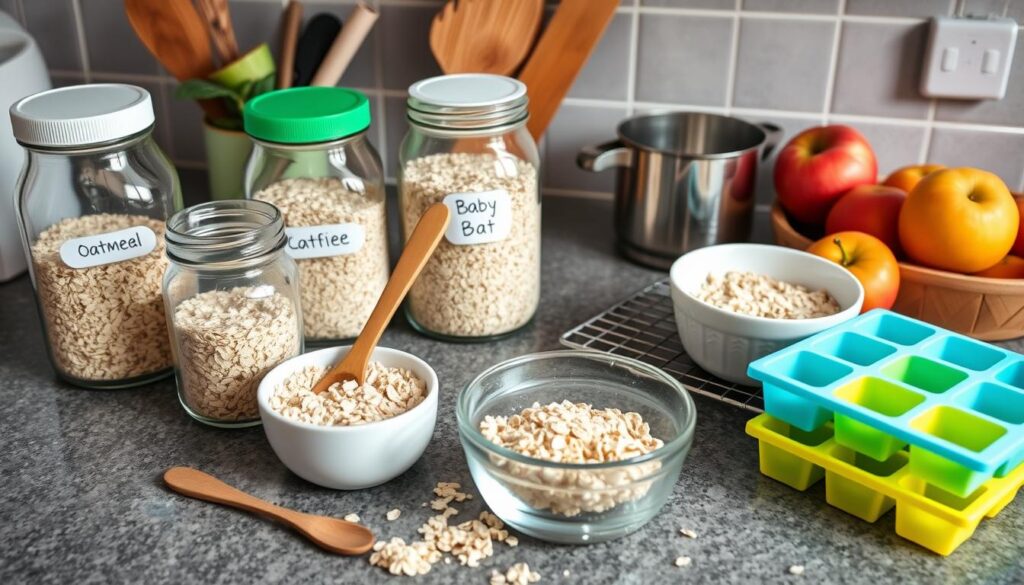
(467, 101)
(82, 115)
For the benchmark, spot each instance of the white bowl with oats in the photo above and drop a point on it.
(349, 437)
(735, 303)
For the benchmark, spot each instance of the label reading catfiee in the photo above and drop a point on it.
(324, 241)
(108, 248)
(479, 218)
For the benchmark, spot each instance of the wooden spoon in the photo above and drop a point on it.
(485, 36)
(222, 32)
(175, 34)
(418, 248)
(333, 534)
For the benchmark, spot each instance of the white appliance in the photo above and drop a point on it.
(23, 73)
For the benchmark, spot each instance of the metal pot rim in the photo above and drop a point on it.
(631, 142)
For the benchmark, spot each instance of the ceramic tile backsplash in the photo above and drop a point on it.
(879, 70)
(682, 59)
(795, 63)
(783, 64)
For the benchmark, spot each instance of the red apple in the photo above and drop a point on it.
(872, 209)
(1018, 244)
(818, 166)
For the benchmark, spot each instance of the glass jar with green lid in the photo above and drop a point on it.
(312, 160)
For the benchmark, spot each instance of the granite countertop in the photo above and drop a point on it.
(83, 500)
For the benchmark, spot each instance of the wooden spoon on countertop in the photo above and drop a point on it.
(421, 245)
(485, 36)
(332, 534)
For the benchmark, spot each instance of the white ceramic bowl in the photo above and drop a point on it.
(724, 343)
(350, 457)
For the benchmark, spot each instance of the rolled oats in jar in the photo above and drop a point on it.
(312, 160)
(92, 201)
(469, 148)
(232, 300)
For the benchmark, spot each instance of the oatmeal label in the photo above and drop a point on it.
(108, 248)
(324, 241)
(479, 218)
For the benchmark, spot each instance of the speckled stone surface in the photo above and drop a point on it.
(83, 501)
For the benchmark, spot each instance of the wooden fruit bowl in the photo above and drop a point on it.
(991, 309)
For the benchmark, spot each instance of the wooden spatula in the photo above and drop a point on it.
(485, 36)
(421, 245)
(560, 54)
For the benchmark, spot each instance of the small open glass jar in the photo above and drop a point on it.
(92, 200)
(468, 147)
(312, 160)
(233, 310)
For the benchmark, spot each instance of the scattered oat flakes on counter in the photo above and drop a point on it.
(351, 518)
(566, 573)
(385, 393)
(687, 533)
(796, 570)
(757, 295)
(393, 515)
(404, 559)
(512, 541)
(517, 574)
(683, 561)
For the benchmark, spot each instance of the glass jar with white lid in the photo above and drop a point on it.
(92, 200)
(468, 147)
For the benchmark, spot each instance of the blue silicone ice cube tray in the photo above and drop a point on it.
(890, 382)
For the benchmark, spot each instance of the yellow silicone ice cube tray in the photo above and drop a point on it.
(867, 488)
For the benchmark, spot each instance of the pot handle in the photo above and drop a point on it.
(604, 156)
(773, 135)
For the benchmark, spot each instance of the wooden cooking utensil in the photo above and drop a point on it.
(560, 54)
(174, 33)
(218, 23)
(421, 245)
(316, 40)
(357, 26)
(485, 36)
(332, 534)
(291, 21)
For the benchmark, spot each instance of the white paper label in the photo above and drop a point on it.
(324, 241)
(108, 248)
(479, 218)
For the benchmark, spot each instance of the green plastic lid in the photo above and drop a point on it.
(306, 114)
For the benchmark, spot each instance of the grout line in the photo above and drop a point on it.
(833, 66)
(577, 193)
(129, 77)
(83, 50)
(634, 58)
(734, 58)
(926, 144)
(762, 15)
(19, 14)
(378, 70)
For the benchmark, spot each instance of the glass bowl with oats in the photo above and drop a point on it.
(735, 303)
(575, 447)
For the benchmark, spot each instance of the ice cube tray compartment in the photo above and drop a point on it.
(888, 381)
(859, 485)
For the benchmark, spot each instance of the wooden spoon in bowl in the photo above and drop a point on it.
(333, 534)
(421, 245)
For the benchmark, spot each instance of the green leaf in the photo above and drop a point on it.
(227, 123)
(263, 86)
(201, 89)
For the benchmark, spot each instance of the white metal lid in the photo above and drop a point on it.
(82, 115)
(467, 101)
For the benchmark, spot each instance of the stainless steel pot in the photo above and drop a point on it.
(685, 181)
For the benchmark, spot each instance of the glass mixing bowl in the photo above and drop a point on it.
(576, 503)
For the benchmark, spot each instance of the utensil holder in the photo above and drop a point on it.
(226, 154)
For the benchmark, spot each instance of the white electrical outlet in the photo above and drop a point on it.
(968, 58)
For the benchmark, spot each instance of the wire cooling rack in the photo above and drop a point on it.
(643, 327)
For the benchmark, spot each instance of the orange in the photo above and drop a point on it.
(962, 220)
(869, 260)
(1009, 267)
(907, 178)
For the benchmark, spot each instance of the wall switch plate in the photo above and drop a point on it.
(968, 58)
